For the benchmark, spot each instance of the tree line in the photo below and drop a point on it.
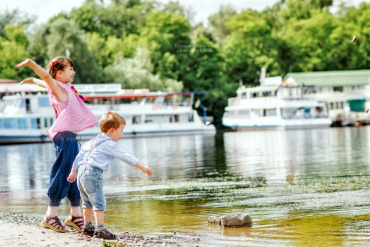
(146, 44)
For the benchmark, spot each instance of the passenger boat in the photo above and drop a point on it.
(274, 104)
(27, 117)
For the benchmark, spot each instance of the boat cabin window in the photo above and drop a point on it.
(9, 123)
(22, 123)
(244, 95)
(43, 102)
(255, 113)
(309, 90)
(48, 122)
(269, 112)
(191, 117)
(28, 105)
(254, 95)
(35, 123)
(244, 113)
(338, 89)
(136, 119)
(1, 123)
(302, 112)
(174, 118)
(336, 105)
(266, 93)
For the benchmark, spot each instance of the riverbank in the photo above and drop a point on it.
(22, 230)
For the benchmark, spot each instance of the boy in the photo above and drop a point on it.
(91, 161)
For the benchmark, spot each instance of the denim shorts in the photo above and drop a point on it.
(90, 184)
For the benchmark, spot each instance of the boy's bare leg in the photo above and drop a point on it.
(87, 214)
(101, 231)
(99, 216)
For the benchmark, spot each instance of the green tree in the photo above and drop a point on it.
(351, 22)
(163, 34)
(117, 18)
(62, 38)
(207, 74)
(250, 46)
(310, 41)
(217, 23)
(14, 17)
(13, 51)
(133, 73)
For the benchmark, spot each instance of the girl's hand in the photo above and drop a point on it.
(28, 80)
(38, 82)
(25, 62)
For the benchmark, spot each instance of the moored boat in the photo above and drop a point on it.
(274, 105)
(27, 117)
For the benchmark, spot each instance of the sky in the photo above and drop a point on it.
(42, 10)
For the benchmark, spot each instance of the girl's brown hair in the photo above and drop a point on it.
(109, 120)
(58, 63)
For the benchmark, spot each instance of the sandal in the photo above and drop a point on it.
(76, 222)
(88, 230)
(104, 234)
(53, 223)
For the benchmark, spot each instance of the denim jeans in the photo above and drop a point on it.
(66, 150)
(90, 182)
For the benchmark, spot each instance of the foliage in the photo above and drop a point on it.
(61, 38)
(143, 43)
(162, 35)
(133, 73)
(250, 46)
(217, 23)
(13, 50)
(13, 17)
(118, 18)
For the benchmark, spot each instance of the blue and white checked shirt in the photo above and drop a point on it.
(103, 154)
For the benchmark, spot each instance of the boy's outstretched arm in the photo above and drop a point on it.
(38, 82)
(145, 169)
(44, 75)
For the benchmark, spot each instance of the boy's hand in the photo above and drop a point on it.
(72, 176)
(147, 170)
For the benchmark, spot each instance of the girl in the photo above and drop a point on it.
(72, 116)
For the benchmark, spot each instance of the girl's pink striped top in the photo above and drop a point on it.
(72, 115)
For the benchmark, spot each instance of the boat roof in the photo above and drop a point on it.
(330, 78)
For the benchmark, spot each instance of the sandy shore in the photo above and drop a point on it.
(21, 230)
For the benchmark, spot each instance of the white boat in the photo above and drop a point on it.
(274, 105)
(27, 117)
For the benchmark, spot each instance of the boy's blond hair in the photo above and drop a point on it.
(60, 64)
(111, 119)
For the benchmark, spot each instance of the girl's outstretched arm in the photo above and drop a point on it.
(38, 82)
(53, 85)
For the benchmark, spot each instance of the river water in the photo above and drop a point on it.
(301, 187)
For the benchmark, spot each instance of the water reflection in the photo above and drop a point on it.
(181, 195)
